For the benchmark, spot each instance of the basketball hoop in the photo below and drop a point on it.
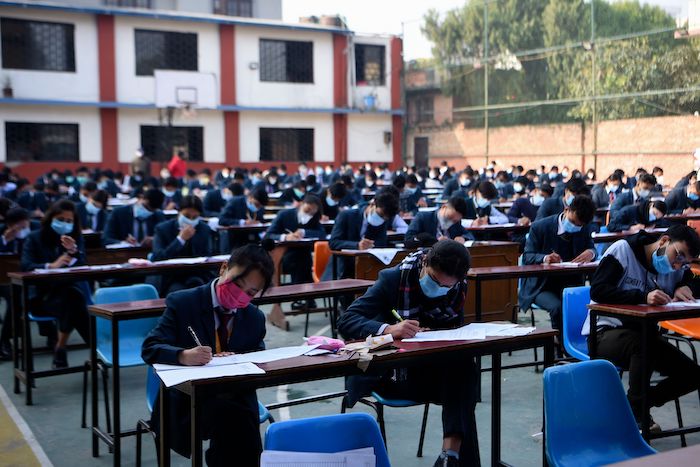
(188, 112)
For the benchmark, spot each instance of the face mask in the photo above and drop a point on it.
(693, 196)
(164, 173)
(661, 262)
(22, 234)
(518, 187)
(537, 200)
(142, 213)
(102, 185)
(644, 193)
(83, 198)
(92, 209)
(369, 182)
(204, 181)
(569, 200)
(183, 221)
(375, 220)
(230, 296)
(251, 207)
(81, 180)
(328, 171)
(271, 180)
(282, 173)
(445, 223)
(70, 179)
(483, 203)
(432, 289)
(553, 175)
(660, 180)
(464, 182)
(611, 188)
(61, 228)
(226, 195)
(410, 191)
(499, 184)
(652, 216)
(298, 193)
(565, 174)
(330, 201)
(489, 175)
(169, 193)
(303, 217)
(570, 227)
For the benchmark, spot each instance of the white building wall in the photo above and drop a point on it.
(81, 85)
(366, 138)
(134, 89)
(129, 128)
(268, 9)
(253, 92)
(383, 93)
(251, 122)
(88, 120)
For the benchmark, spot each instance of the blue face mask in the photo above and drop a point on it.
(570, 227)
(61, 228)
(298, 193)
(83, 198)
(652, 216)
(537, 200)
(70, 179)
(661, 262)
(693, 196)
(569, 199)
(226, 196)
(375, 220)
(331, 202)
(169, 193)
(410, 191)
(483, 203)
(499, 184)
(251, 207)
(102, 185)
(82, 180)
(432, 289)
(142, 213)
(92, 209)
(183, 221)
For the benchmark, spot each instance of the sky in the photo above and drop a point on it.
(401, 16)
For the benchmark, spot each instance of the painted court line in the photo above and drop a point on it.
(24, 429)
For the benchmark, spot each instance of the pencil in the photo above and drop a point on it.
(194, 336)
(396, 315)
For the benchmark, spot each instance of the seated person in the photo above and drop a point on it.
(565, 237)
(639, 193)
(293, 195)
(643, 269)
(427, 290)
(503, 185)
(658, 172)
(444, 223)
(361, 229)
(410, 195)
(556, 204)
(244, 210)
(84, 191)
(331, 201)
(271, 182)
(215, 200)
(34, 200)
(312, 185)
(183, 237)
(135, 224)
(479, 209)
(354, 195)
(523, 211)
(636, 217)
(93, 213)
(604, 194)
(14, 230)
(223, 319)
(459, 185)
(684, 200)
(59, 244)
(368, 183)
(173, 195)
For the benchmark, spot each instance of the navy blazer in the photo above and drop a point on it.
(214, 203)
(175, 198)
(428, 222)
(289, 197)
(85, 218)
(38, 250)
(286, 220)
(622, 200)
(346, 236)
(121, 224)
(550, 207)
(630, 215)
(193, 307)
(506, 191)
(166, 244)
(600, 196)
(31, 201)
(237, 210)
(677, 200)
(543, 240)
(522, 207)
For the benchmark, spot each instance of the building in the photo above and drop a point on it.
(79, 89)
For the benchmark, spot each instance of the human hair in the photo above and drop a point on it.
(89, 186)
(687, 234)
(487, 189)
(338, 190)
(546, 188)
(647, 179)
(660, 205)
(5, 206)
(399, 182)
(193, 202)
(311, 198)
(583, 207)
(577, 186)
(253, 258)
(388, 202)
(310, 180)
(459, 204)
(260, 195)
(100, 196)
(614, 177)
(171, 181)
(16, 215)
(237, 189)
(154, 198)
(449, 257)
(56, 208)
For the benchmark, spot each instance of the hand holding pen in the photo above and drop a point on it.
(196, 356)
(657, 296)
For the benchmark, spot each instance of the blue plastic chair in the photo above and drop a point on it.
(131, 334)
(574, 312)
(321, 434)
(588, 420)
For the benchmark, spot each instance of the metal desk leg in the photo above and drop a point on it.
(195, 430)
(496, 409)
(93, 386)
(164, 441)
(116, 436)
(27, 366)
(646, 377)
(477, 318)
(16, 298)
(334, 317)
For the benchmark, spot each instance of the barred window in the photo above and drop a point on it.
(424, 109)
(163, 50)
(130, 3)
(286, 61)
(41, 142)
(287, 144)
(160, 142)
(234, 7)
(369, 64)
(37, 45)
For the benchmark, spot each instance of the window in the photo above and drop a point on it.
(160, 142)
(423, 109)
(130, 3)
(41, 142)
(234, 8)
(287, 144)
(161, 50)
(287, 61)
(369, 64)
(37, 45)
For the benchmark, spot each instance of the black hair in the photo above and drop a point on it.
(412, 179)
(311, 198)
(547, 188)
(614, 177)
(171, 181)
(371, 175)
(487, 189)
(687, 234)
(300, 184)
(56, 208)
(154, 198)
(399, 182)
(5, 205)
(583, 207)
(577, 186)
(658, 204)
(237, 189)
(310, 180)
(338, 190)
(192, 201)
(260, 195)
(647, 179)
(89, 186)
(101, 196)
(16, 215)
(449, 257)
(253, 258)
(391, 189)
(388, 202)
(347, 181)
(459, 204)
(420, 240)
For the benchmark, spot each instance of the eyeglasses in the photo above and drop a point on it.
(680, 257)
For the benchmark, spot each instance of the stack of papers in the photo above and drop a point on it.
(197, 260)
(119, 245)
(363, 457)
(693, 304)
(473, 331)
(385, 255)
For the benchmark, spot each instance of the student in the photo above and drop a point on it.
(173, 195)
(271, 182)
(183, 237)
(331, 200)
(688, 179)
(636, 217)
(684, 200)
(215, 200)
(442, 223)
(354, 195)
(59, 244)
(410, 194)
(641, 191)
(643, 269)
(362, 229)
(292, 196)
(504, 187)
(479, 209)
(93, 213)
(427, 290)
(135, 224)
(604, 194)
(223, 319)
(556, 204)
(658, 172)
(244, 210)
(83, 192)
(523, 211)
(312, 185)
(463, 184)
(565, 237)
(14, 230)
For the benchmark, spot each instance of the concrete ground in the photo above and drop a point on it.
(55, 416)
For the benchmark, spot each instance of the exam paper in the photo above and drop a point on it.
(385, 255)
(198, 260)
(119, 245)
(693, 304)
(473, 331)
(363, 457)
(192, 373)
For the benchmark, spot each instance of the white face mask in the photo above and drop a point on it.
(22, 234)
(303, 218)
(517, 187)
(537, 200)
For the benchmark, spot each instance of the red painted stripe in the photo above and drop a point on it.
(108, 90)
(397, 140)
(227, 41)
(340, 71)
(340, 139)
(396, 71)
(232, 138)
(110, 139)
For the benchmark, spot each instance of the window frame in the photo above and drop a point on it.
(160, 136)
(365, 82)
(287, 62)
(299, 132)
(69, 31)
(43, 148)
(139, 71)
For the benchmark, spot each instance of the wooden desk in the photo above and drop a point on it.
(118, 312)
(367, 266)
(647, 317)
(611, 237)
(299, 369)
(683, 457)
(245, 229)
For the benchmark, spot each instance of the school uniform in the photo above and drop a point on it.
(550, 207)
(288, 197)
(229, 420)
(625, 199)
(408, 202)
(213, 203)
(453, 187)
(236, 212)
(505, 190)
(330, 211)
(33, 200)
(474, 211)
(522, 207)
(427, 222)
(176, 199)
(632, 215)
(547, 236)
(167, 245)
(601, 197)
(678, 200)
(625, 277)
(96, 222)
(122, 223)
(352, 198)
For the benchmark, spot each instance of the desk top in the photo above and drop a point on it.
(528, 270)
(677, 458)
(499, 228)
(646, 312)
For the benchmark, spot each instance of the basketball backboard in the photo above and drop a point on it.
(185, 89)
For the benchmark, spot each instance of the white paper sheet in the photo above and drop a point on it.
(385, 255)
(220, 257)
(473, 331)
(192, 373)
(198, 260)
(213, 223)
(428, 209)
(119, 245)
(693, 304)
(355, 458)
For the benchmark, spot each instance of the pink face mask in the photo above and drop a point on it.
(231, 296)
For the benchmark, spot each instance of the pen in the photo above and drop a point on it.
(194, 336)
(396, 315)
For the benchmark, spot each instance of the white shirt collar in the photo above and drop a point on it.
(560, 224)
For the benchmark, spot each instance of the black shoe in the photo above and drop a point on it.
(311, 304)
(5, 352)
(298, 305)
(60, 359)
(446, 461)
(653, 426)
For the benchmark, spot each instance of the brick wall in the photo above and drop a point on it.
(627, 144)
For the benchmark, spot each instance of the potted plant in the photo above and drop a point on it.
(7, 88)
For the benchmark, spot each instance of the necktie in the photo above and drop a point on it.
(222, 330)
(611, 195)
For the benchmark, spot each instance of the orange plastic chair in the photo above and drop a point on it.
(322, 255)
(695, 225)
